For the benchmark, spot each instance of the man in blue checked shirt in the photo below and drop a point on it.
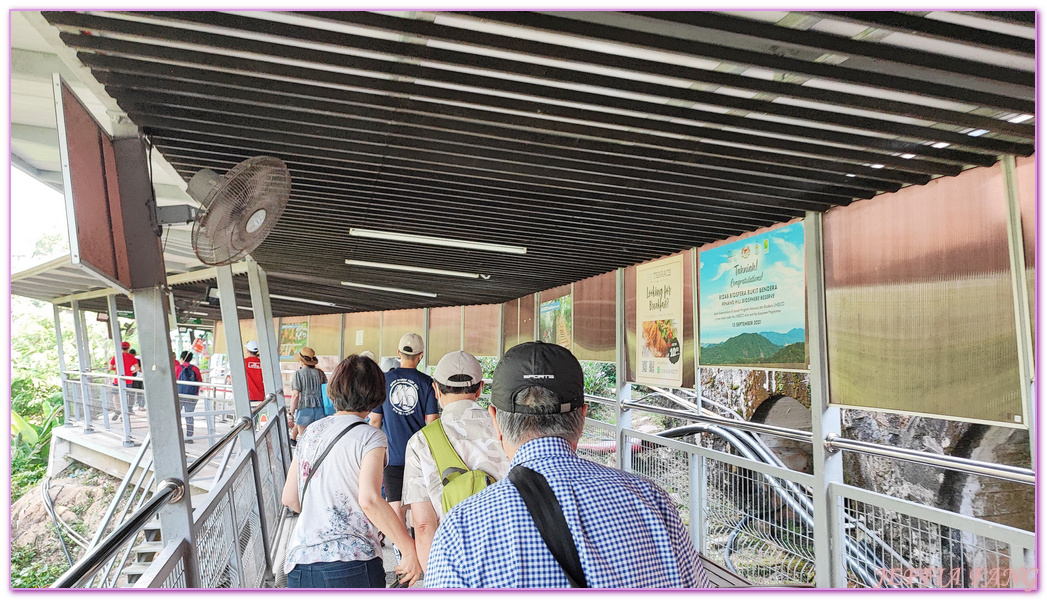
(626, 529)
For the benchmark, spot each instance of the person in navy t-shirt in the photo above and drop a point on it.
(410, 404)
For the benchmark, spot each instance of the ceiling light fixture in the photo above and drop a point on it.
(1019, 119)
(304, 300)
(388, 289)
(199, 314)
(435, 241)
(374, 265)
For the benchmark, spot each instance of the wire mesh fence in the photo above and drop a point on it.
(752, 529)
(914, 552)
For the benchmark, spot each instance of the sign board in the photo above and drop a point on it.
(555, 319)
(292, 339)
(752, 301)
(659, 322)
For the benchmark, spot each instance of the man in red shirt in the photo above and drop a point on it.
(130, 368)
(253, 364)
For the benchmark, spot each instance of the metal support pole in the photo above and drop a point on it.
(268, 345)
(425, 335)
(697, 330)
(623, 391)
(341, 335)
(1022, 318)
(118, 362)
(537, 311)
(241, 401)
(176, 519)
(234, 351)
(825, 419)
(83, 359)
(461, 329)
(501, 330)
(67, 406)
(177, 329)
(381, 335)
(698, 493)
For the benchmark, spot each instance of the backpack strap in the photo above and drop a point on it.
(316, 465)
(447, 460)
(547, 515)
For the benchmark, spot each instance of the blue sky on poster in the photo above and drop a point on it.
(781, 265)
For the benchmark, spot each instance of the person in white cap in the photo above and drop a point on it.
(458, 381)
(253, 364)
(410, 404)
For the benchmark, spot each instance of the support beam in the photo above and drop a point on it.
(1020, 294)
(269, 350)
(623, 391)
(163, 409)
(829, 549)
(83, 356)
(122, 408)
(66, 403)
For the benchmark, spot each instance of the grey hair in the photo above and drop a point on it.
(518, 428)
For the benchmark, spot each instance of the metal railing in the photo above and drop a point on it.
(753, 515)
(169, 490)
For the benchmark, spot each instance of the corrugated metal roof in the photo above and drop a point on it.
(594, 139)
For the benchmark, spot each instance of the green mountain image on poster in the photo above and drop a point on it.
(752, 301)
(555, 322)
(292, 339)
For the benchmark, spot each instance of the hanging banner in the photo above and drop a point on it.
(292, 339)
(659, 322)
(752, 301)
(555, 321)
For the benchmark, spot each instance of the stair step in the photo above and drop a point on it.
(134, 571)
(149, 547)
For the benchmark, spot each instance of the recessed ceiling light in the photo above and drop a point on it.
(304, 300)
(436, 241)
(388, 289)
(199, 314)
(876, 166)
(374, 265)
(908, 156)
(940, 145)
(978, 132)
(1019, 119)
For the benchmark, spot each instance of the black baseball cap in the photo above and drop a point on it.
(538, 364)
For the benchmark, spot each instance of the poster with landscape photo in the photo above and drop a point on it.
(752, 301)
(555, 321)
(292, 339)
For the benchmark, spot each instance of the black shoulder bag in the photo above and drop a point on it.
(548, 517)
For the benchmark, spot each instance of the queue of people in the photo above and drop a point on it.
(497, 497)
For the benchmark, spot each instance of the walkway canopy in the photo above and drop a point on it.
(595, 140)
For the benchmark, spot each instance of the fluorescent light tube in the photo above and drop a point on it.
(374, 265)
(199, 314)
(435, 241)
(305, 300)
(388, 289)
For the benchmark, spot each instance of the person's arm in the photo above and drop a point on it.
(381, 514)
(431, 418)
(375, 419)
(425, 521)
(432, 405)
(290, 495)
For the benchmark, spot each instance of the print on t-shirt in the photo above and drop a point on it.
(403, 395)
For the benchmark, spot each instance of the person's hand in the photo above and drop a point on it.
(409, 568)
(290, 419)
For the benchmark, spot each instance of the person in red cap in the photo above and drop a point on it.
(130, 368)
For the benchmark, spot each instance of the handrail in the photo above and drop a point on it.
(834, 442)
(111, 374)
(792, 434)
(169, 490)
(245, 423)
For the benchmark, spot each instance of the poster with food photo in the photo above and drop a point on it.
(659, 322)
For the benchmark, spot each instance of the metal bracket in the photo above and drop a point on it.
(172, 215)
(830, 443)
(179, 489)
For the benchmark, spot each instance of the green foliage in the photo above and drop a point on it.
(30, 447)
(599, 378)
(28, 571)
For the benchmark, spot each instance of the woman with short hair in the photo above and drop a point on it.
(336, 542)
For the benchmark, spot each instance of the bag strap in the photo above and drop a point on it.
(443, 453)
(547, 515)
(316, 465)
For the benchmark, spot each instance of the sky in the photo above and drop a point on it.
(36, 210)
